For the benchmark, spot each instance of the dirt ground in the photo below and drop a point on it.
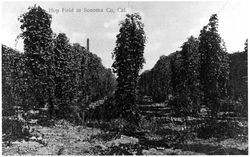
(67, 139)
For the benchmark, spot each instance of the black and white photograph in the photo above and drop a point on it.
(124, 77)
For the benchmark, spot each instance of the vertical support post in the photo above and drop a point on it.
(88, 44)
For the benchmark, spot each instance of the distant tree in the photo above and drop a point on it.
(245, 80)
(37, 35)
(156, 82)
(153, 83)
(128, 56)
(145, 82)
(89, 75)
(174, 76)
(109, 82)
(160, 75)
(214, 69)
(89, 80)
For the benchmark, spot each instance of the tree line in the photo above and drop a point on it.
(51, 72)
(200, 75)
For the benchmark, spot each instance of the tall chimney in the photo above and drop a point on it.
(88, 44)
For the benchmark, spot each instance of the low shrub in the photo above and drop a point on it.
(14, 129)
(124, 149)
(123, 146)
(150, 124)
(221, 129)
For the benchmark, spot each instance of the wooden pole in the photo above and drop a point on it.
(88, 44)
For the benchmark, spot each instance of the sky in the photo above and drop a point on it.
(167, 24)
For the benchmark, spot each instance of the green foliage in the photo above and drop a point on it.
(128, 56)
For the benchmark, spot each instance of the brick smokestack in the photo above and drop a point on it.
(88, 44)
